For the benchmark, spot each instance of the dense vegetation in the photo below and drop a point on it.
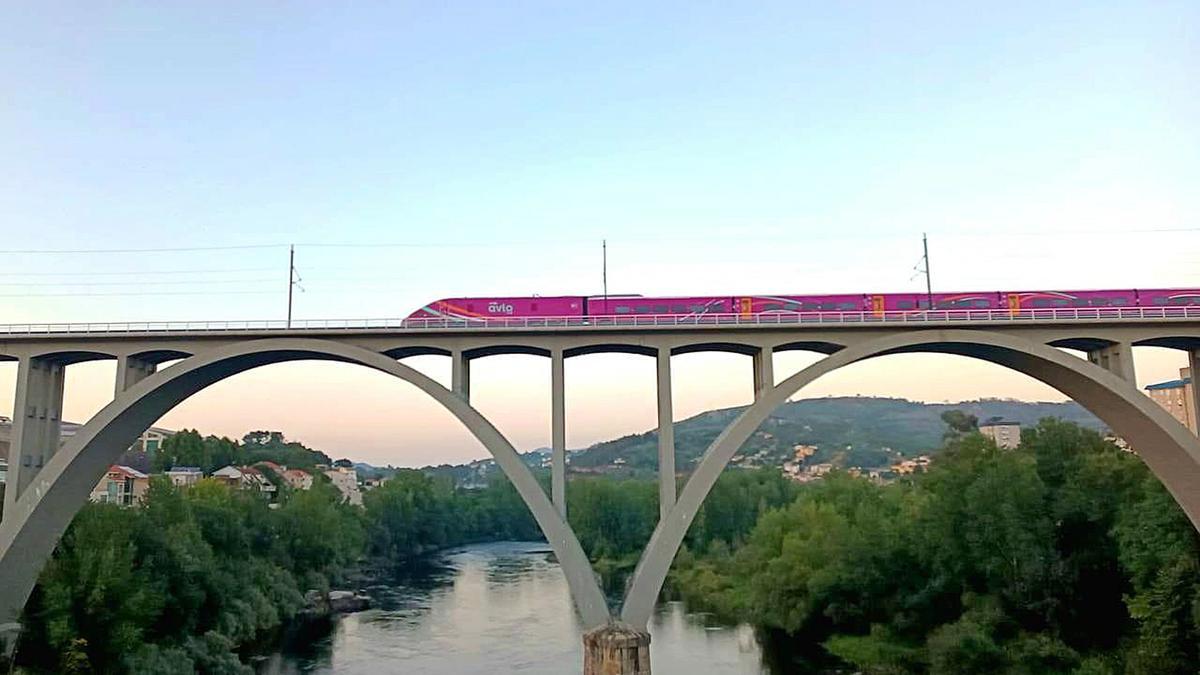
(1065, 556)
(209, 453)
(178, 584)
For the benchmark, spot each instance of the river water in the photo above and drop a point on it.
(499, 608)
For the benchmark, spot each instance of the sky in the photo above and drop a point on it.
(159, 158)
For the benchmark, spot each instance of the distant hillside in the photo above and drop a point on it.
(857, 431)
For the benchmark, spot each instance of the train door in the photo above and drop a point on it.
(1014, 303)
(745, 307)
(876, 305)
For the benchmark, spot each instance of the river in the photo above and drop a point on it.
(499, 608)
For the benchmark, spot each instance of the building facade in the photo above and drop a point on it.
(346, 481)
(1177, 397)
(121, 485)
(1004, 434)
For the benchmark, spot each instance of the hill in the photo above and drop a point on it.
(854, 431)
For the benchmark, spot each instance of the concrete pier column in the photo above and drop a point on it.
(764, 371)
(460, 374)
(1194, 404)
(131, 370)
(1116, 359)
(616, 649)
(37, 419)
(558, 433)
(667, 489)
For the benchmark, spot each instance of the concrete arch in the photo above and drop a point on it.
(821, 347)
(158, 356)
(610, 348)
(67, 358)
(727, 347)
(1170, 451)
(405, 352)
(37, 519)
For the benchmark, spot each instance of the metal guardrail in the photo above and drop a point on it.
(617, 321)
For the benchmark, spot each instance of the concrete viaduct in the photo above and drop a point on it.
(48, 484)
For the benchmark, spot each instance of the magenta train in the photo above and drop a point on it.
(750, 305)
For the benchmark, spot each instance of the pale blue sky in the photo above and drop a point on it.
(721, 148)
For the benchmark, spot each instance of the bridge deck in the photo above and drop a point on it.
(943, 318)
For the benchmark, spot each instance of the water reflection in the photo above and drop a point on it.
(498, 608)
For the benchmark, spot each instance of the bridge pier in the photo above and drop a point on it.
(764, 371)
(131, 370)
(1115, 358)
(1194, 369)
(667, 489)
(558, 433)
(460, 375)
(37, 414)
(616, 649)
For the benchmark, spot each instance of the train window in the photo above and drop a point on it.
(1100, 302)
(1080, 302)
(1041, 302)
(904, 304)
(771, 307)
(1119, 302)
(679, 309)
(660, 309)
(699, 309)
(847, 306)
(1061, 302)
(1180, 300)
(623, 309)
(718, 307)
(982, 304)
(642, 309)
(1158, 301)
(792, 306)
(812, 306)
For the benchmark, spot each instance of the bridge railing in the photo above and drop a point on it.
(621, 321)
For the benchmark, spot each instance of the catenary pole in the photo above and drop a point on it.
(291, 280)
(928, 278)
(604, 270)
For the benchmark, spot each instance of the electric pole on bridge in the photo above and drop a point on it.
(604, 270)
(293, 281)
(928, 279)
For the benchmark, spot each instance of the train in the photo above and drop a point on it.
(751, 305)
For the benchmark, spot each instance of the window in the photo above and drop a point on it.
(1158, 301)
(622, 309)
(792, 306)
(1120, 302)
(1100, 302)
(719, 307)
(1041, 302)
(642, 309)
(772, 307)
(699, 309)
(847, 306)
(812, 306)
(679, 309)
(152, 445)
(904, 304)
(660, 309)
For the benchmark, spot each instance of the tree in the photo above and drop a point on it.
(959, 423)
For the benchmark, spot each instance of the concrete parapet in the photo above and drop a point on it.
(616, 649)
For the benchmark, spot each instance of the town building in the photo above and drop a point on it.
(297, 479)
(346, 481)
(184, 476)
(121, 485)
(1005, 434)
(245, 478)
(1177, 397)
